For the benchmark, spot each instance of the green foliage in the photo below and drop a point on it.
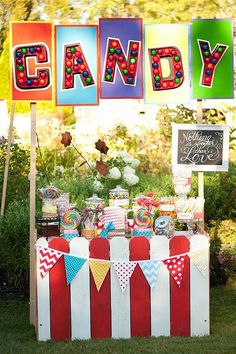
(223, 251)
(18, 183)
(14, 250)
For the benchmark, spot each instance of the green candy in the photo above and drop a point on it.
(72, 49)
(206, 53)
(88, 80)
(157, 78)
(68, 70)
(177, 80)
(108, 77)
(112, 50)
(220, 50)
(20, 68)
(133, 60)
(125, 71)
(153, 52)
(23, 50)
(176, 58)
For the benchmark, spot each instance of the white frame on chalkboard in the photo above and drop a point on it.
(210, 127)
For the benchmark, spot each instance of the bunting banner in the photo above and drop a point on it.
(47, 259)
(200, 259)
(99, 270)
(72, 265)
(124, 270)
(175, 266)
(150, 270)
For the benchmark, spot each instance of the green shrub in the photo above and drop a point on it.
(223, 251)
(14, 241)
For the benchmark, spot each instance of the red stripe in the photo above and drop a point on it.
(100, 300)
(180, 297)
(59, 295)
(140, 290)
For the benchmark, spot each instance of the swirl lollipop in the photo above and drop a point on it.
(70, 219)
(50, 192)
(144, 218)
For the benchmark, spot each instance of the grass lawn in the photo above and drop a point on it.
(17, 336)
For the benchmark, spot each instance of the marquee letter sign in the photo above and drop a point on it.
(86, 71)
(31, 61)
(121, 58)
(167, 64)
(76, 65)
(201, 147)
(212, 58)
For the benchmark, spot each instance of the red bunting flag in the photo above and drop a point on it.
(175, 266)
(47, 259)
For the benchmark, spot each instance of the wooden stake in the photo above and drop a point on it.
(33, 108)
(200, 174)
(5, 179)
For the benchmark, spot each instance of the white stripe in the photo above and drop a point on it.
(120, 301)
(160, 294)
(199, 292)
(80, 292)
(43, 299)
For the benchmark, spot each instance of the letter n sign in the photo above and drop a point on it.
(121, 58)
(31, 58)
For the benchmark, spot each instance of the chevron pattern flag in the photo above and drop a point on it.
(150, 269)
(200, 260)
(72, 265)
(124, 270)
(47, 259)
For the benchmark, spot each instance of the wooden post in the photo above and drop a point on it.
(5, 179)
(200, 174)
(33, 107)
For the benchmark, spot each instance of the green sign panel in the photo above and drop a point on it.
(212, 59)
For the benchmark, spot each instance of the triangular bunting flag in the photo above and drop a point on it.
(99, 270)
(72, 265)
(150, 270)
(175, 266)
(124, 270)
(200, 260)
(47, 258)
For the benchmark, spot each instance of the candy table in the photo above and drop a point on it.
(80, 311)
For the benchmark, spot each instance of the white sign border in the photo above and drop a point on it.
(209, 127)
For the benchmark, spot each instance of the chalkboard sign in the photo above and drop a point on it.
(201, 147)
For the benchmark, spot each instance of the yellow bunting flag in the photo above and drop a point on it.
(99, 270)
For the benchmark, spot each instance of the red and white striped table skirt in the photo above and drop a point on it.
(79, 311)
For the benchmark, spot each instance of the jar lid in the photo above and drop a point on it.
(94, 199)
(118, 189)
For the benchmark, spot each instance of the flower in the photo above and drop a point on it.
(66, 139)
(101, 146)
(102, 168)
(128, 170)
(131, 179)
(58, 169)
(114, 173)
(97, 185)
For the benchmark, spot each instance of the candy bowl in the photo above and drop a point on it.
(164, 226)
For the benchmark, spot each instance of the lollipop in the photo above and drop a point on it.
(70, 220)
(50, 192)
(144, 218)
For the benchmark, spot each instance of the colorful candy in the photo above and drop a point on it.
(71, 219)
(144, 218)
(49, 192)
